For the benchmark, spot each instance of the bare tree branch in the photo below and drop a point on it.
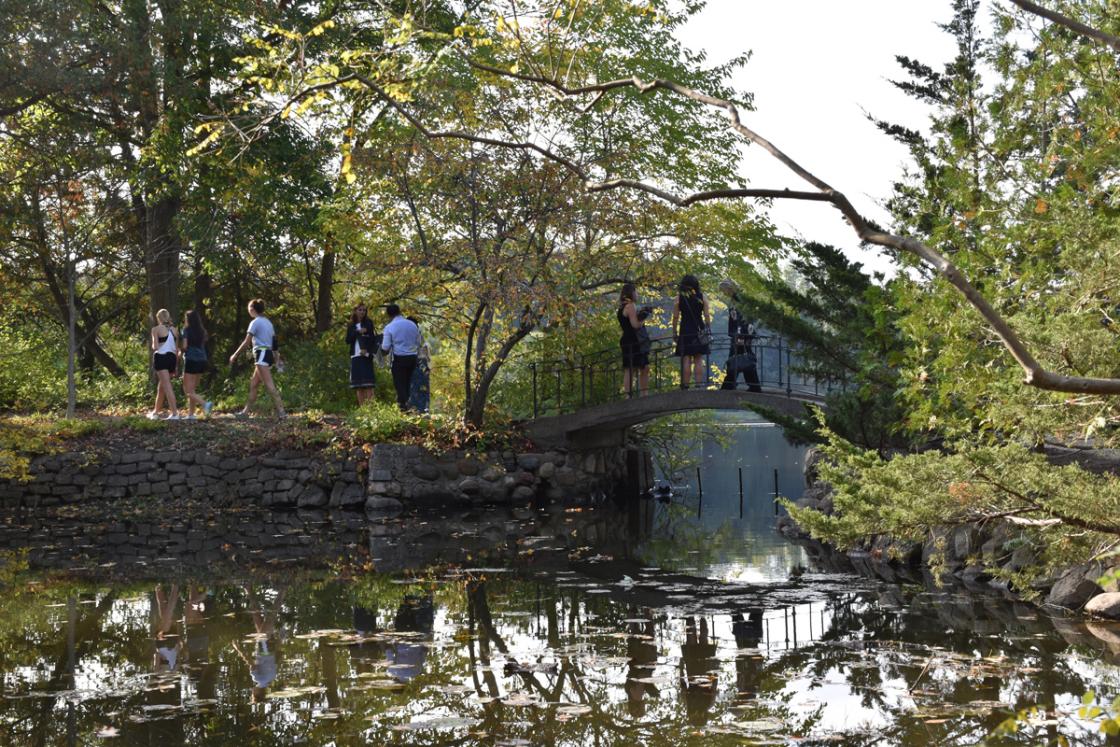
(1034, 374)
(1069, 23)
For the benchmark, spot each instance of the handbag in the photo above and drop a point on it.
(703, 331)
(645, 344)
(741, 362)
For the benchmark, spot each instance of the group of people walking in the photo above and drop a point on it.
(692, 338)
(185, 349)
(170, 345)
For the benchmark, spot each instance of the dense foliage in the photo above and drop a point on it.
(845, 328)
(1016, 181)
(320, 154)
(186, 154)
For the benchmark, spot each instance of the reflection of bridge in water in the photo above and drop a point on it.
(581, 402)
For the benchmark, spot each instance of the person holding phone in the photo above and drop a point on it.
(635, 342)
(362, 344)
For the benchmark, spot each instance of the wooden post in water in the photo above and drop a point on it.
(775, 491)
(699, 487)
(740, 492)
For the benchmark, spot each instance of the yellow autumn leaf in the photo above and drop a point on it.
(1041, 206)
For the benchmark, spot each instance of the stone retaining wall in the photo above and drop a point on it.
(283, 478)
(410, 475)
(399, 476)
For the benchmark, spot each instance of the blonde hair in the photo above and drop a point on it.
(163, 316)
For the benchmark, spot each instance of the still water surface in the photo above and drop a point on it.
(670, 625)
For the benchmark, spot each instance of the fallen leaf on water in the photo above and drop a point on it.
(295, 692)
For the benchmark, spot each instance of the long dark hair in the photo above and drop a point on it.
(690, 287)
(629, 293)
(354, 318)
(193, 330)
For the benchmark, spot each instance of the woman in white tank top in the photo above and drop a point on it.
(165, 356)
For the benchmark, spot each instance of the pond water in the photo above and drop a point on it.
(675, 624)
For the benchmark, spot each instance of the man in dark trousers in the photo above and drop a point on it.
(741, 359)
(401, 337)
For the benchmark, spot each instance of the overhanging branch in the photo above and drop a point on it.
(1069, 23)
(1033, 372)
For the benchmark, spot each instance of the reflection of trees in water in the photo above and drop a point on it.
(638, 670)
(875, 649)
(676, 441)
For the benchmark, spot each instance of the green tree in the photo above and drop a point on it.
(498, 243)
(1013, 183)
(842, 323)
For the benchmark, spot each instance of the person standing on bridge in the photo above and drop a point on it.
(694, 333)
(635, 341)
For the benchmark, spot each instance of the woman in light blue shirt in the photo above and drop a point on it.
(262, 337)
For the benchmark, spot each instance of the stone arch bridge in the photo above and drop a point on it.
(580, 403)
(605, 424)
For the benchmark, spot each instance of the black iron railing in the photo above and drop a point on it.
(563, 386)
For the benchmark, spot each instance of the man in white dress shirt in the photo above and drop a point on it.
(401, 337)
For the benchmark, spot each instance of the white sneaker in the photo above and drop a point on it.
(173, 417)
(190, 417)
(153, 415)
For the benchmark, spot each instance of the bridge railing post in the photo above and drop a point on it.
(779, 363)
(789, 374)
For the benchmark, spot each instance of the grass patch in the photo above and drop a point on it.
(381, 422)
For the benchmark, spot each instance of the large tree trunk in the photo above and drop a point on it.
(324, 304)
(161, 253)
(476, 401)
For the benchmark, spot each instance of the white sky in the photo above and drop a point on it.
(817, 67)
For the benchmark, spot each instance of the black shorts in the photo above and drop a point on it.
(194, 367)
(165, 362)
(361, 372)
(263, 357)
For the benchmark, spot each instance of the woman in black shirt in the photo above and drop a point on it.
(693, 336)
(193, 346)
(634, 341)
(361, 343)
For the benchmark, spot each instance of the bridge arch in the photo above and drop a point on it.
(605, 424)
(578, 403)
